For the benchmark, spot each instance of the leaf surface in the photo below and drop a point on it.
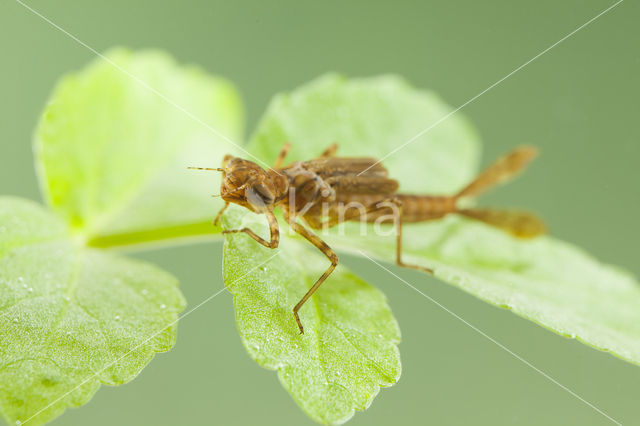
(548, 281)
(114, 143)
(545, 280)
(349, 348)
(72, 318)
(370, 117)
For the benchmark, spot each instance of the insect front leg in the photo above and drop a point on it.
(326, 250)
(219, 215)
(273, 230)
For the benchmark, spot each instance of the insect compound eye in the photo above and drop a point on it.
(259, 195)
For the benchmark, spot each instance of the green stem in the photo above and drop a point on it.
(204, 229)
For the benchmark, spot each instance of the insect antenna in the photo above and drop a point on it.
(217, 169)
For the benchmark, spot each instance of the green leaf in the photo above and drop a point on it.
(544, 280)
(371, 117)
(72, 318)
(349, 347)
(114, 143)
(349, 350)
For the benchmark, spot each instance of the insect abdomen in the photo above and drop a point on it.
(417, 208)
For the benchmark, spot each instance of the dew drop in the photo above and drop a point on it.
(18, 422)
(15, 320)
(30, 290)
(117, 317)
(163, 306)
(262, 268)
(20, 279)
(144, 292)
(67, 298)
(68, 333)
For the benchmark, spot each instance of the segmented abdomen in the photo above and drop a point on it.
(417, 208)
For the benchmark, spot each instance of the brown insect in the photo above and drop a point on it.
(328, 190)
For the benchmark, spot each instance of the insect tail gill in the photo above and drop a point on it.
(501, 171)
(517, 223)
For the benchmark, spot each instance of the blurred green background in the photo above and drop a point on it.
(578, 103)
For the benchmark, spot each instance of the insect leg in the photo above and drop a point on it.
(219, 215)
(282, 155)
(327, 251)
(330, 151)
(398, 221)
(273, 229)
(397, 213)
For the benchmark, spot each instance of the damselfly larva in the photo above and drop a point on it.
(328, 190)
